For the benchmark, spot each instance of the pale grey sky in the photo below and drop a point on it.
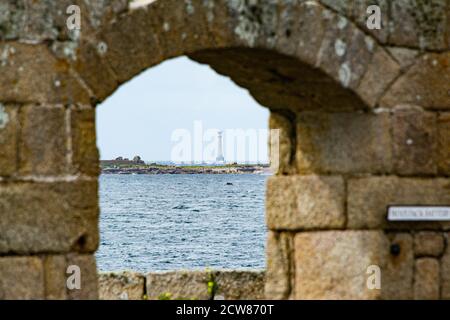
(143, 114)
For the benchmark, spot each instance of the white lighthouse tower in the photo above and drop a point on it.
(219, 158)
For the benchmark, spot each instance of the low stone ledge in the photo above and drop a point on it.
(189, 285)
(121, 285)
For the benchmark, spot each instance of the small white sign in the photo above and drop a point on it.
(418, 213)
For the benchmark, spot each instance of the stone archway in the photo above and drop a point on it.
(364, 119)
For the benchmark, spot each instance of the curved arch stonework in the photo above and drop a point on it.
(364, 118)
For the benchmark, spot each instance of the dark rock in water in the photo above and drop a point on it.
(229, 184)
(196, 210)
(181, 207)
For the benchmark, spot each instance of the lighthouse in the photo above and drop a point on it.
(219, 158)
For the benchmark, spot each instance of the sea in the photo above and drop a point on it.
(183, 221)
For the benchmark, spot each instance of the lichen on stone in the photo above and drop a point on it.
(342, 22)
(340, 47)
(4, 117)
(209, 5)
(255, 18)
(65, 49)
(189, 6)
(5, 54)
(345, 74)
(102, 48)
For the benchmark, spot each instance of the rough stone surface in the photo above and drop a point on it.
(91, 56)
(48, 217)
(240, 285)
(21, 278)
(229, 285)
(130, 36)
(345, 52)
(8, 140)
(380, 74)
(20, 66)
(445, 271)
(178, 285)
(305, 202)
(425, 84)
(404, 56)
(85, 154)
(426, 279)
(414, 142)
(89, 281)
(428, 243)
(357, 11)
(397, 275)
(43, 142)
(279, 253)
(343, 143)
(368, 199)
(55, 267)
(333, 264)
(420, 24)
(121, 286)
(444, 143)
(283, 136)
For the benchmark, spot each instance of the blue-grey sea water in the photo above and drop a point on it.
(168, 222)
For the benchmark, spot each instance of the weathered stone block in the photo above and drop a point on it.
(426, 279)
(428, 243)
(8, 139)
(404, 56)
(333, 264)
(130, 36)
(368, 199)
(22, 64)
(420, 24)
(357, 12)
(121, 286)
(279, 255)
(239, 284)
(55, 267)
(397, 274)
(445, 271)
(21, 278)
(85, 156)
(89, 281)
(178, 285)
(253, 25)
(382, 70)
(314, 21)
(48, 217)
(444, 143)
(359, 15)
(43, 142)
(282, 145)
(425, 84)
(345, 52)
(343, 143)
(91, 65)
(414, 141)
(305, 202)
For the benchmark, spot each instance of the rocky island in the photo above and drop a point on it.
(137, 166)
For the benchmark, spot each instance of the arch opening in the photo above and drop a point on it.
(162, 212)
